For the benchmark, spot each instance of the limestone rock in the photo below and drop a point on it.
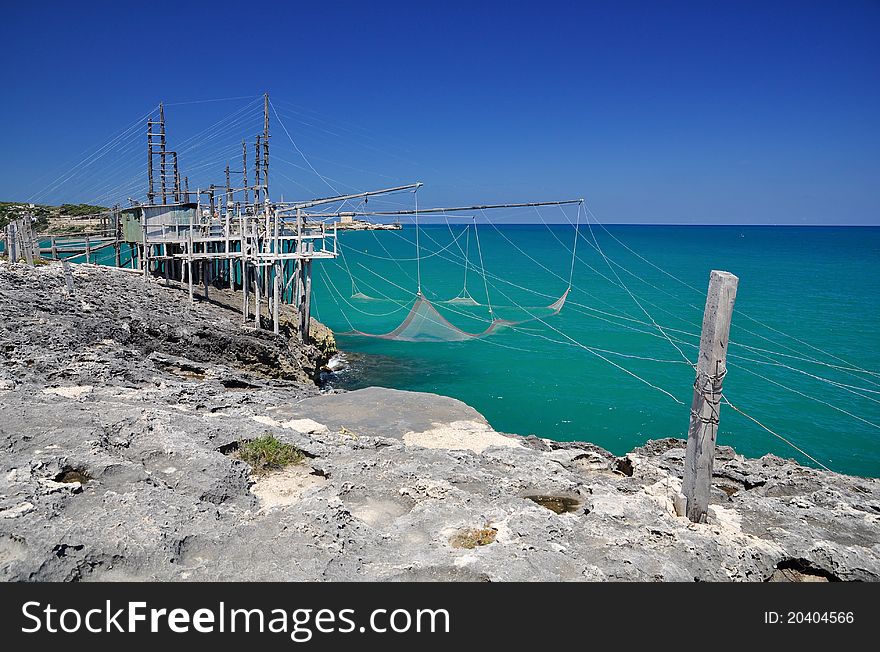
(136, 478)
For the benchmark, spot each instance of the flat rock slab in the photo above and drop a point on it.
(382, 412)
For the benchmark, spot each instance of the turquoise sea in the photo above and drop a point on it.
(804, 356)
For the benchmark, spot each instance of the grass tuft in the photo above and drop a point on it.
(267, 453)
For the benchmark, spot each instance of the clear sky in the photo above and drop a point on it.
(684, 112)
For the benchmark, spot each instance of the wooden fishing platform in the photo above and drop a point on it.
(224, 236)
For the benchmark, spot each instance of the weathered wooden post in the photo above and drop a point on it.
(68, 277)
(27, 240)
(11, 247)
(706, 404)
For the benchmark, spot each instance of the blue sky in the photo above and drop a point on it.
(683, 112)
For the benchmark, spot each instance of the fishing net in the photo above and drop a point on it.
(424, 323)
(463, 299)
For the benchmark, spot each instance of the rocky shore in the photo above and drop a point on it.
(122, 408)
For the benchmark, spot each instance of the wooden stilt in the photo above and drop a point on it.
(257, 296)
(276, 300)
(206, 270)
(189, 266)
(307, 298)
(245, 291)
(166, 264)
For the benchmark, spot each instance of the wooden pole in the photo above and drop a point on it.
(257, 198)
(307, 299)
(26, 236)
(189, 270)
(145, 253)
(88, 250)
(245, 289)
(177, 196)
(189, 256)
(11, 244)
(276, 299)
(247, 195)
(297, 284)
(206, 270)
(257, 319)
(256, 247)
(35, 241)
(162, 151)
(706, 404)
(266, 146)
(118, 229)
(150, 186)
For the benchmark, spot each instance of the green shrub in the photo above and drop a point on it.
(81, 209)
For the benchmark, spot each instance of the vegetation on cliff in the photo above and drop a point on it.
(10, 210)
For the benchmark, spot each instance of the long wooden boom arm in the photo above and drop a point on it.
(331, 200)
(422, 211)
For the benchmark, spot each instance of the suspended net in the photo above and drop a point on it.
(424, 323)
(463, 299)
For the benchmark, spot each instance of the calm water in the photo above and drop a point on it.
(815, 284)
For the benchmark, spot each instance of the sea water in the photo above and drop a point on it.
(804, 355)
